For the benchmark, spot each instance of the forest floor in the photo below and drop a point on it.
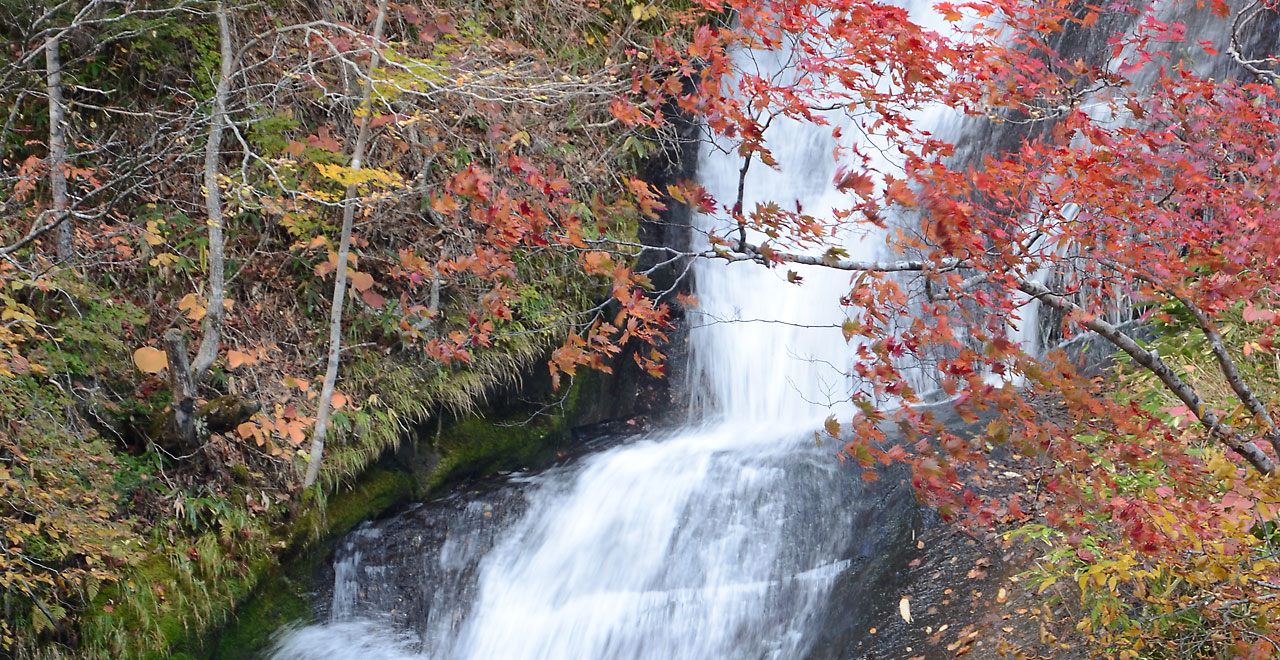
(968, 593)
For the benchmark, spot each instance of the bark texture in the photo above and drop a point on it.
(344, 248)
(214, 310)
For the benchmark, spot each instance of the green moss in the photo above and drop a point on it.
(165, 603)
(281, 601)
(378, 490)
(478, 447)
(284, 597)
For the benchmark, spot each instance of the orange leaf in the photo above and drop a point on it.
(361, 281)
(150, 360)
(599, 263)
(236, 358)
(191, 305)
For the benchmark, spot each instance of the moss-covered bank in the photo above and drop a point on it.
(439, 455)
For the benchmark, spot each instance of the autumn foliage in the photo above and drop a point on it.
(1120, 191)
(492, 210)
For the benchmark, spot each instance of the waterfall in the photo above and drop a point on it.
(721, 540)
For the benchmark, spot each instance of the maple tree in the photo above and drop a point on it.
(1134, 187)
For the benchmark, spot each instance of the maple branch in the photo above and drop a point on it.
(1228, 367)
(742, 188)
(951, 293)
(1150, 360)
(1234, 48)
(749, 252)
(1226, 364)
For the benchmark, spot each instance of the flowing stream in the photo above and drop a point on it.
(719, 540)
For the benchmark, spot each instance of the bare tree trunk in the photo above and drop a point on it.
(58, 146)
(214, 310)
(182, 390)
(344, 248)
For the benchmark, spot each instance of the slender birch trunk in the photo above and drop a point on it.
(58, 147)
(344, 248)
(214, 311)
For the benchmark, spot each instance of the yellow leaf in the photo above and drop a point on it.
(636, 12)
(904, 608)
(1221, 467)
(352, 177)
(150, 360)
(521, 137)
(164, 259)
(153, 233)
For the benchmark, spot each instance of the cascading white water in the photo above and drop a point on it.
(717, 541)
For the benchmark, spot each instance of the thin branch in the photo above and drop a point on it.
(749, 252)
(1151, 361)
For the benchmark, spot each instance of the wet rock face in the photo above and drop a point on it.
(418, 568)
(875, 575)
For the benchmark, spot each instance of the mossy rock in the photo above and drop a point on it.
(281, 601)
(284, 598)
(477, 447)
(377, 491)
(480, 447)
(461, 450)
